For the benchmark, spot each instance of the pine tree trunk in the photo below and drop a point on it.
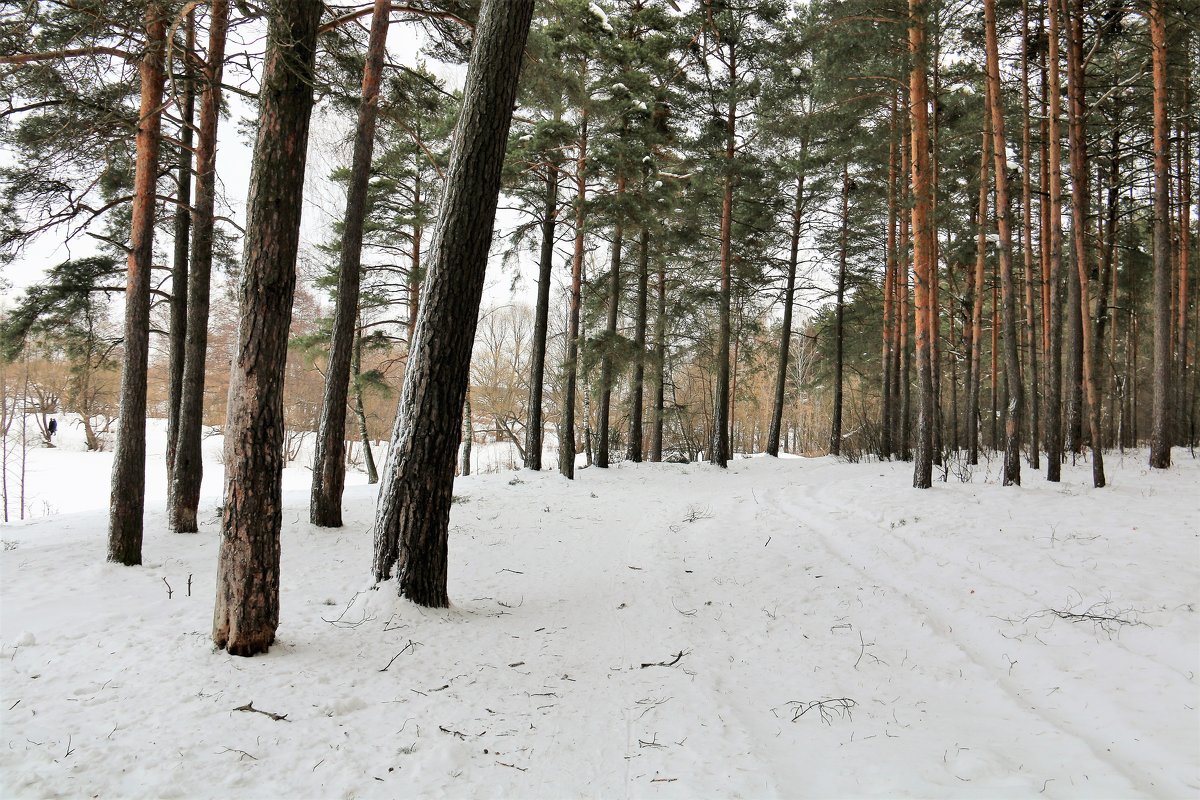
(610, 329)
(904, 356)
(537, 371)
(468, 436)
(566, 436)
(1182, 366)
(887, 397)
(1031, 283)
(359, 412)
(247, 606)
(417, 490)
(1012, 364)
(639, 343)
(660, 359)
(177, 335)
(1054, 383)
(923, 268)
(835, 435)
(1088, 347)
(789, 298)
(129, 459)
(329, 455)
(1160, 427)
(975, 332)
(720, 438)
(184, 497)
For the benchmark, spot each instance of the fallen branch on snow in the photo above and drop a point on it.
(671, 663)
(250, 707)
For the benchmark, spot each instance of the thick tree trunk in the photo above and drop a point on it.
(566, 436)
(414, 499)
(1160, 426)
(329, 455)
(789, 299)
(541, 319)
(922, 231)
(610, 329)
(1089, 347)
(247, 605)
(1012, 364)
(634, 452)
(720, 437)
(182, 234)
(184, 497)
(835, 434)
(1054, 387)
(129, 460)
(974, 334)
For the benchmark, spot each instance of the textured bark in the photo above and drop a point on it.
(182, 235)
(1088, 347)
(247, 605)
(537, 371)
(129, 459)
(329, 455)
(610, 330)
(888, 398)
(468, 436)
(1160, 426)
(720, 434)
(904, 356)
(923, 268)
(1012, 364)
(1031, 283)
(974, 333)
(415, 496)
(636, 387)
(835, 434)
(789, 299)
(1183, 427)
(566, 436)
(1054, 431)
(184, 497)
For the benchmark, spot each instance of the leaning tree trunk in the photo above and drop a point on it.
(129, 460)
(177, 335)
(1160, 426)
(1012, 364)
(785, 335)
(329, 455)
(184, 497)
(537, 372)
(360, 413)
(839, 339)
(414, 500)
(247, 606)
(1088, 347)
(923, 269)
(566, 435)
(610, 330)
(639, 342)
(1054, 428)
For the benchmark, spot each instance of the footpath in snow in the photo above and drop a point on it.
(792, 628)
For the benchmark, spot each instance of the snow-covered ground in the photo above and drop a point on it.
(794, 628)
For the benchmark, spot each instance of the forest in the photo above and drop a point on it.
(360, 251)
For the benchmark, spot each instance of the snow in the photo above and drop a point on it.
(646, 631)
(600, 14)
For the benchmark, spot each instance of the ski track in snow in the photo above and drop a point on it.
(781, 583)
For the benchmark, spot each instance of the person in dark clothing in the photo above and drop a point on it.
(52, 427)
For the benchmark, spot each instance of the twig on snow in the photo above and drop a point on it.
(670, 663)
(250, 707)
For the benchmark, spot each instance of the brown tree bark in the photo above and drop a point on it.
(835, 434)
(789, 298)
(1160, 426)
(974, 333)
(541, 319)
(636, 387)
(1089, 347)
(414, 499)
(247, 605)
(1012, 364)
(610, 329)
(184, 496)
(177, 332)
(566, 436)
(1031, 282)
(129, 459)
(922, 232)
(720, 436)
(903, 388)
(1054, 388)
(329, 455)
(887, 397)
